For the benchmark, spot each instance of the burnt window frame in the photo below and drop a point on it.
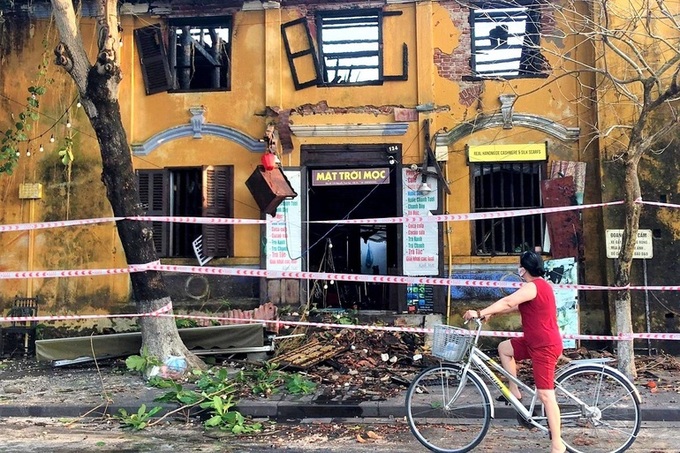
(216, 199)
(530, 63)
(173, 44)
(157, 49)
(306, 60)
(329, 20)
(508, 235)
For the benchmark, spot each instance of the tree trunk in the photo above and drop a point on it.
(160, 337)
(624, 324)
(98, 89)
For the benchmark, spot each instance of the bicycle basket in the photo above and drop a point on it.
(450, 343)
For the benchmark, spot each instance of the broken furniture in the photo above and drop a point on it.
(269, 188)
(19, 337)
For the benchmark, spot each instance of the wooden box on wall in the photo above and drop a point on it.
(269, 188)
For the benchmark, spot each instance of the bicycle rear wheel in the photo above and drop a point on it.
(440, 422)
(611, 420)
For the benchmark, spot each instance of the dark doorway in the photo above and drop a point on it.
(353, 249)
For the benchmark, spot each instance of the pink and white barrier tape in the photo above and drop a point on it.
(469, 216)
(75, 272)
(165, 312)
(231, 221)
(156, 313)
(302, 275)
(405, 219)
(58, 224)
(485, 333)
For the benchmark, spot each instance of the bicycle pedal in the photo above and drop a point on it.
(524, 422)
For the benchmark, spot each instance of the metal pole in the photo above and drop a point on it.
(647, 320)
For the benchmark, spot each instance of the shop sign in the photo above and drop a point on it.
(508, 153)
(421, 239)
(350, 176)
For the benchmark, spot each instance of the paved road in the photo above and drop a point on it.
(57, 436)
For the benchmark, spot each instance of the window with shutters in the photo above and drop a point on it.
(189, 192)
(190, 54)
(504, 187)
(506, 40)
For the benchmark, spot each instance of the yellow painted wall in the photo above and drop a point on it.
(261, 78)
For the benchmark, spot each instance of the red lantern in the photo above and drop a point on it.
(269, 161)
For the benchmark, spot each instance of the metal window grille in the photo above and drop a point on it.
(503, 187)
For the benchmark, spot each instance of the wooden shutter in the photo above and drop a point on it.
(218, 201)
(153, 193)
(152, 55)
(301, 54)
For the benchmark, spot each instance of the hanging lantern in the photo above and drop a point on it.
(269, 161)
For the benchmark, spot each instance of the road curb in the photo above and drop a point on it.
(282, 410)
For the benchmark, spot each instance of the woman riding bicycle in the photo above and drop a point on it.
(542, 342)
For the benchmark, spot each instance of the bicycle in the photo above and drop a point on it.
(449, 406)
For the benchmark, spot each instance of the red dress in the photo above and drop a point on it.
(542, 341)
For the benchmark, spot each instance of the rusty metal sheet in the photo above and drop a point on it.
(309, 355)
(564, 228)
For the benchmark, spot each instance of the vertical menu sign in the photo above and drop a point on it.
(284, 233)
(421, 248)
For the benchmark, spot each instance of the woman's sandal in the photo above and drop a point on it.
(521, 420)
(502, 399)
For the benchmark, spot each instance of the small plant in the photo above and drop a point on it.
(136, 420)
(296, 384)
(226, 419)
(346, 318)
(142, 363)
(183, 323)
(265, 381)
(215, 393)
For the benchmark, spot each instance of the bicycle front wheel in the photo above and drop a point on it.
(445, 414)
(610, 420)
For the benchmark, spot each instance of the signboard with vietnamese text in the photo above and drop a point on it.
(350, 176)
(643, 245)
(283, 231)
(421, 245)
(508, 153)
(564, 271)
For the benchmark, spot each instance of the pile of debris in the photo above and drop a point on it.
(357, 365)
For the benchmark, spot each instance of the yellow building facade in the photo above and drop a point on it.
(375, 110)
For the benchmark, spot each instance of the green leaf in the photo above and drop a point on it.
(141, 410)
(215, 420)
(134, 362)
(154, 411)
(19, 126)
(217, 404)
